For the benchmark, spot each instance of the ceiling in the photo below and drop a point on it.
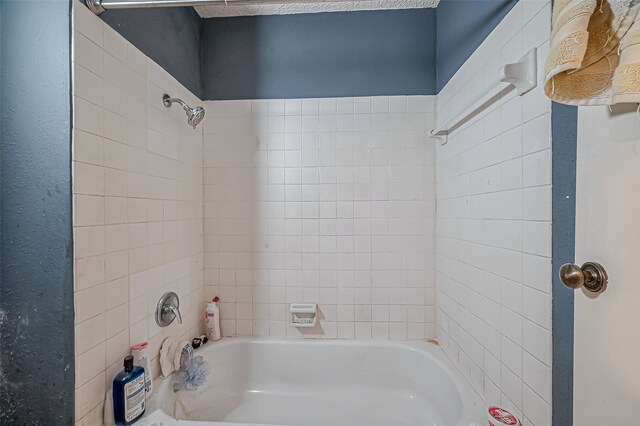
(289, 7)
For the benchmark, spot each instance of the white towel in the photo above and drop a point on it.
(170, 354)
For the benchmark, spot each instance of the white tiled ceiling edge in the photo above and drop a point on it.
(291, 7)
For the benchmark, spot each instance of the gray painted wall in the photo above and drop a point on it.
(169, 36)
(294, 56)
(338, 54)
(36, 287)
(1, 315)
(564, 134)
(462, 25)
(369, 53)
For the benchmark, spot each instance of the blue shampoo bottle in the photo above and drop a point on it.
(129, 399)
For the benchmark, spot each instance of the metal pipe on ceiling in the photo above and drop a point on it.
(99, 6)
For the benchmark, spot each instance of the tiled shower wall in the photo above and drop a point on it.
(494, 226)
(321, 200)
(137, 185)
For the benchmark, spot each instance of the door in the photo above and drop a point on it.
(607, 326)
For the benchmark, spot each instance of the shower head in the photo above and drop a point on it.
(194, 115)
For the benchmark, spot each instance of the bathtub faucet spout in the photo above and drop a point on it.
(186, 356)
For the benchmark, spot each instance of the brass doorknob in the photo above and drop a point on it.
(591, 276)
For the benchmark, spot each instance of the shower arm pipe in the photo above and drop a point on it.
(99, 6)
(167, 101)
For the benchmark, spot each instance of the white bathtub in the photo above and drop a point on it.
(321, 383)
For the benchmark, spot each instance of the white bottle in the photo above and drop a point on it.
(140, 354)
(212, 320)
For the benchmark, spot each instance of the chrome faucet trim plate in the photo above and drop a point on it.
(168, 309)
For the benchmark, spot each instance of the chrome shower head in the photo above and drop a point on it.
(194, 115)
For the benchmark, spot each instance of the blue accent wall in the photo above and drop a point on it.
(169, 36)
(383, 52)
(36, 285)
(386, 52)
(564, 134)
(462, 26)
(389, 52)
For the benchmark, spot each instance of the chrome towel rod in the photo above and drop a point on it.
(521, 76)
(99, 6)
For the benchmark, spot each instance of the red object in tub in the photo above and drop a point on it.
(499, 417)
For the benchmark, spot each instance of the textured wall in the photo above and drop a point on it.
(319, 55)
(462, 25)
(564, 125)
(169, 36)
(36, 288)
(287, 8)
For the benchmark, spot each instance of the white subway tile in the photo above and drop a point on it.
(89, 365)
(89, 303)
(362, 105)
(511, 386)
(90, 395)
(536, 409)
(537, 238)
(87, 53)
(327, 106)
(88, 241)
(537, 134)
(89, 334)
(379, 104)
(88, 85)
(88, 148)
(537, 376)
(88, 116)
(310, 107)
(537, 341)
(88, 210)
(115, 44)
(89, 271)
(345, 105)
(536, 168)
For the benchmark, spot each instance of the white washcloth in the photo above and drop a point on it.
(170, 354)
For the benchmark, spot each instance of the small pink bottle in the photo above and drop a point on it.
(500, 417)
(212, 320)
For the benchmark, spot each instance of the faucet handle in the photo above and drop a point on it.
(168, 309)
